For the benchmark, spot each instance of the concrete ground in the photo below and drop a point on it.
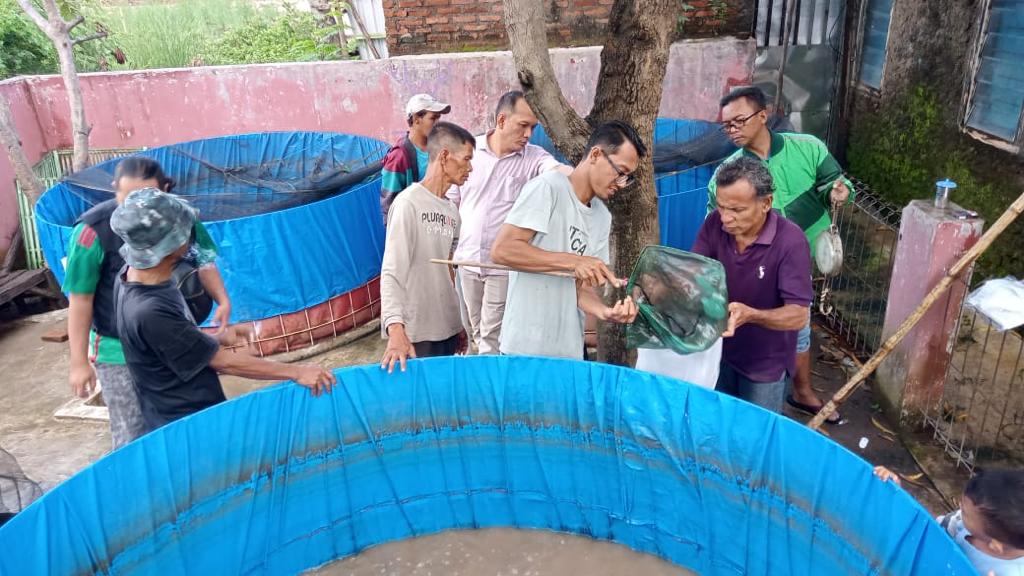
(34, 386)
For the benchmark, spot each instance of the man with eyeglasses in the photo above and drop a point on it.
(560, 224)
(808, 180)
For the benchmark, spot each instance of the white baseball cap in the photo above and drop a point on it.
(425, 103)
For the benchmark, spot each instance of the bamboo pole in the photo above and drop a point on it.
(494, 267)
(965, 261)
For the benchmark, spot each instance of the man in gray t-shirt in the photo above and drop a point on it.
(560, 224)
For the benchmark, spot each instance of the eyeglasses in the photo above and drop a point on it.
(737, 123)
(624, 179)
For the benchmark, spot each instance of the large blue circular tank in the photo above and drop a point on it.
(277, 481)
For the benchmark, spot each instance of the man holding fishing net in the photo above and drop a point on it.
(768, 273)
(560, 225)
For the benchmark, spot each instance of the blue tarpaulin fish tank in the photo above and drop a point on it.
(276, 481)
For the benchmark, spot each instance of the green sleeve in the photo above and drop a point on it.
(827, 173)
(712, 194)
(84, 263)
(393, 182)
(205, 246)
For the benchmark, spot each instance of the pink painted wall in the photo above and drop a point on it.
(23, 111)
(159, 107)
(931, 242)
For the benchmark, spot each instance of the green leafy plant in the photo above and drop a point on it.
(162, 35)
(291, 36)
(904, 148)
(684, 17)
(24, 49)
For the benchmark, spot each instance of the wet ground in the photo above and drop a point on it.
(34, 385)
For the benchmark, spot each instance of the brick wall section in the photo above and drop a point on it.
(431, 26)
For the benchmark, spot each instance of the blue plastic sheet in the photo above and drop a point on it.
(275, 263)
(277, 481)
(683, 190)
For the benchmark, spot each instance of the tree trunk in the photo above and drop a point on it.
(79, 127)
(629, 87)
(524, 22)
(22, 167)
(58, 31)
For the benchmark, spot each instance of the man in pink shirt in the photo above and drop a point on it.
(503, 162)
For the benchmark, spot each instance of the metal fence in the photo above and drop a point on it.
(54, 166)
(979, 417)
(852, 303)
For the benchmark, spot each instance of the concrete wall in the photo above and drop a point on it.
(909, 134)
(159, 107)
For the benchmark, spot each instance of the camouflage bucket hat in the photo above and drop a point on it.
(153, 224)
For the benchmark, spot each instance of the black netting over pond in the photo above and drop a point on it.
(16, 489)
(228, 178)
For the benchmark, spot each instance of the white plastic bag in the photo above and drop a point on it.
(1001, 300)
(699, 368)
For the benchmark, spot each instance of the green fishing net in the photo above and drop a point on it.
(682, 301)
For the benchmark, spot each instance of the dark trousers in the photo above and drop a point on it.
(429, 349)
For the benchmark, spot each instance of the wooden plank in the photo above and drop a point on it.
(13, 284)
(12, 251)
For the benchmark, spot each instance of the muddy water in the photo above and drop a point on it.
(500, 552)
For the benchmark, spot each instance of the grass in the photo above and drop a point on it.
(198, 32)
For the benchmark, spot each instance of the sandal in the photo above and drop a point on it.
(832, 420)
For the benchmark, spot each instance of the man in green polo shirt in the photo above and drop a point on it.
(807, 181)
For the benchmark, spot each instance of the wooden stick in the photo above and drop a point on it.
(495, 267)
(965, 261)
(362, 27)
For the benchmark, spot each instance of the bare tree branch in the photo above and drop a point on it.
(53, 12)
(84, 39)
(78, 20)
(524, 21)
(12, 144)
(34, 14)
(58, 31)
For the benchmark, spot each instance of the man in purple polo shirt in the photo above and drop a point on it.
(768, 272)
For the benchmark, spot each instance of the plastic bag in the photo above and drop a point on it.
(698, 368)
(1001, 300)
(682, 300)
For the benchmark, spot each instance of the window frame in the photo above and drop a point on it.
(974, 67)
(862, 29)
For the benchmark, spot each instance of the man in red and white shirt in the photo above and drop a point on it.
(503, 162)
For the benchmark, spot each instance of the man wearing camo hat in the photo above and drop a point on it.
(173, 363)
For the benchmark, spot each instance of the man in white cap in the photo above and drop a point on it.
(406, 161)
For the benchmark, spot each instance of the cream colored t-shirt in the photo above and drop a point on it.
(413, 291)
